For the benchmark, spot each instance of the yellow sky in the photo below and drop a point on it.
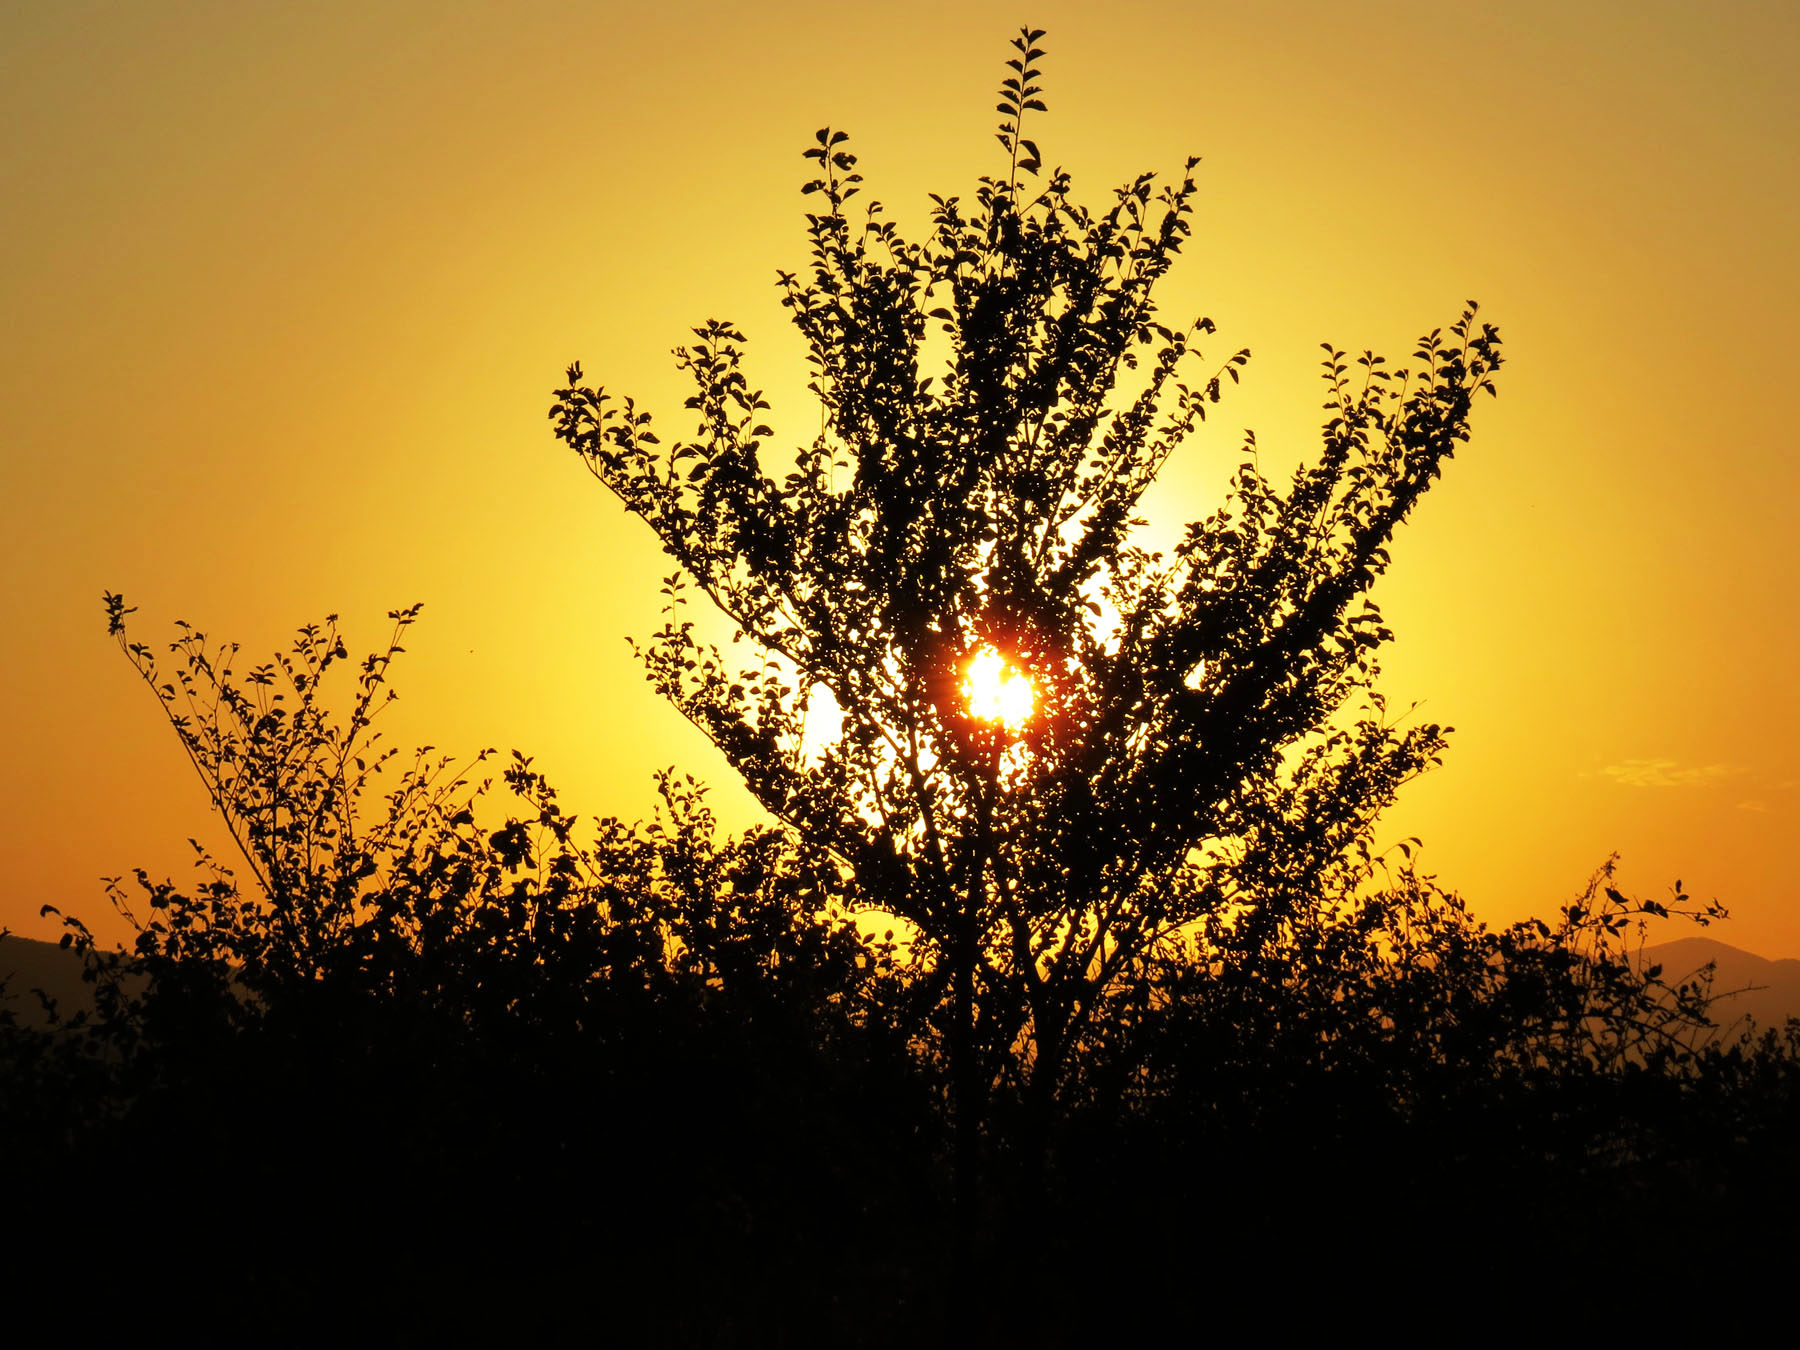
(287, 288)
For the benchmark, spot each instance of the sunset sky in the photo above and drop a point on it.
(288, 287)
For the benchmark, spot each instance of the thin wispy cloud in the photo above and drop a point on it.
(1665, 773)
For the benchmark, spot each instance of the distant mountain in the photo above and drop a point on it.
(1744, 984)
(26, 964)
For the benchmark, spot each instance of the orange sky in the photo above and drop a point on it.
(287, 289)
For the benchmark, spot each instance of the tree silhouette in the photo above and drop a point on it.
(1203, 740)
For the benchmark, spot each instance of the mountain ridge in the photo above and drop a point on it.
(1743, 983)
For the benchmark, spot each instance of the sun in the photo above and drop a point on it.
(998, 691)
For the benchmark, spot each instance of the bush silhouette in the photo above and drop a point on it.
(485, 1051)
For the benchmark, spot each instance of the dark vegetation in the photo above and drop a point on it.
(1108, 1020)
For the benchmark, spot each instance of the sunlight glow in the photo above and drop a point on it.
(998, 691)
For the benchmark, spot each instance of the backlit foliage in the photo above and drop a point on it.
(1196, 745)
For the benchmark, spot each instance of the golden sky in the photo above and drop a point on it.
(287, 288)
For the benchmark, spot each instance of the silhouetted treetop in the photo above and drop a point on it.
(996, 399)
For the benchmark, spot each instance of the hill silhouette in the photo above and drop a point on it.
(1743, 985)
(27, 965)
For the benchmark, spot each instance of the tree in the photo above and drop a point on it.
(1204, 739)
